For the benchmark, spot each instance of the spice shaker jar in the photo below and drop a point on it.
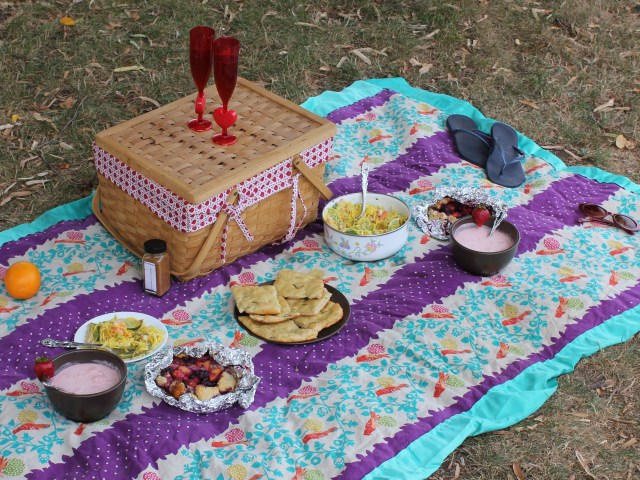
(155, 267)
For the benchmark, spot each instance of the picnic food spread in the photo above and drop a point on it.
(128, 337)
(411, 350)
(344, 217)
(85, 378)
(296, 308)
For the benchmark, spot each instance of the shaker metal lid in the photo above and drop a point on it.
(155, 245)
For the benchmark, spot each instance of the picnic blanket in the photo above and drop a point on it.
(430, 355)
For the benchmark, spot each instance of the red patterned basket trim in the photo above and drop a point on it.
(189, 217)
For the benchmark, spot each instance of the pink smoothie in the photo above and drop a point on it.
(85, 378)
(477, 238)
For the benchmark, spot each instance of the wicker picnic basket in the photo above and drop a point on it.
(212, 204)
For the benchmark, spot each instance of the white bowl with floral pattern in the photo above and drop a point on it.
(368, 248)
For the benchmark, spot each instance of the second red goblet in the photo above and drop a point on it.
(225, 73)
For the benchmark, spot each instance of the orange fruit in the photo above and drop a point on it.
(22, 280)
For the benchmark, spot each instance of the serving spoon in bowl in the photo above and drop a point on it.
(364, 173)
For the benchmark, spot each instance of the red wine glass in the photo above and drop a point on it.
(201, 59)
(225, 74)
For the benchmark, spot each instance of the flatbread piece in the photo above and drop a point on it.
(285, 313)
(309, 306)
(262, 300)
(292, 284)
(285, 332)
(329, 315)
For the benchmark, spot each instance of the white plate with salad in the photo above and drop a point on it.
(131, 335)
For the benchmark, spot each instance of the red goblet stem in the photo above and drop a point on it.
(200, 105)
(201, 61)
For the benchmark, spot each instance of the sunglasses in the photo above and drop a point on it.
(596, 213)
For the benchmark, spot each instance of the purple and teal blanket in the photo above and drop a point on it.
(430, 355)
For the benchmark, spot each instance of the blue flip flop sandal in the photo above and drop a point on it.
(472, 144)
(504, 165)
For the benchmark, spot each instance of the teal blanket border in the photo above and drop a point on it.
(512, 401)
(70, 211)
(503, 405)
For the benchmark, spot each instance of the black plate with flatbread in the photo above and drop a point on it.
(336, 296)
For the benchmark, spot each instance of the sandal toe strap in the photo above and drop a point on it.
(480, 135)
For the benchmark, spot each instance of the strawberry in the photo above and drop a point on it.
(480, 215)
(43, 368)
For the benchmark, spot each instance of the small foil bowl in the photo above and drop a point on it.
(441, 229)
(368, 248)
(237, 360)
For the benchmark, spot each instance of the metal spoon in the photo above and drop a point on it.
(364, 173)
(50, 342)
(493, 228)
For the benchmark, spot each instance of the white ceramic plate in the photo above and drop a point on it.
(81, 333)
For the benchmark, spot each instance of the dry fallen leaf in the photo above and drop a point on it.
(583, 464)
(305, 24)
(608, 104)
(131, 68)
(24, 161)
(40, 118)
(518, 471)
(150, 100)
(361, 56)
(68, 103)
(529, 104)
(67, 22)
(622, 143)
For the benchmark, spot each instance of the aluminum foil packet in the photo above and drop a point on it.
(440, 228)
(237, 360)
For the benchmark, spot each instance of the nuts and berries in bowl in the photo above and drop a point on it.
(449, 209)
(202, 377)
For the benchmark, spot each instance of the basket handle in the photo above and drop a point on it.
(194, 269)
(97, 211)
(314, 179)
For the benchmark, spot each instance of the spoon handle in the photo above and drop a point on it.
(364, 174)
(50, 342)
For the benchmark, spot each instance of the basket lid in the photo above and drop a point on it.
(160, 146)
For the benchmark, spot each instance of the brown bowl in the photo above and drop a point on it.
(91, 407)
(484, 263)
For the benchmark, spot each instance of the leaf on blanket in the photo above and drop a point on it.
(605, 106)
